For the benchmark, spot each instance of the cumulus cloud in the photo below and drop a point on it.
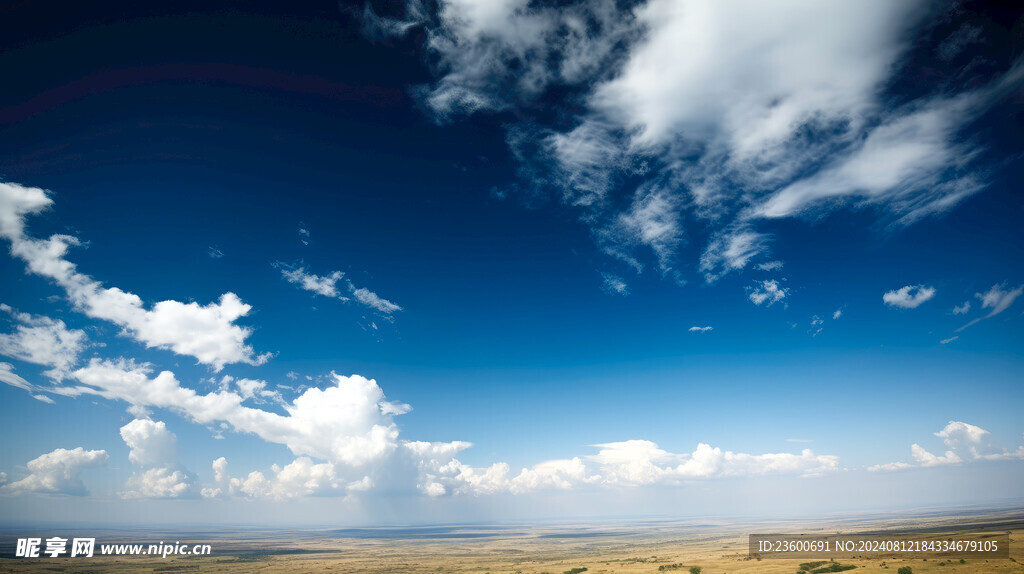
(908, 297)
(350, 422)
(767, 291)
(964, 443)
(302, 477)
(57, 472)
(154, 449)
(43, 341)
(206, 332)
(998, 299)
(346, 440)
(620, 464)
(962, 309)
(665, 114)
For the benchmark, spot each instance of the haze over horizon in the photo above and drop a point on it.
(500, 260)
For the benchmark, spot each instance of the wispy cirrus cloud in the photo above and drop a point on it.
(668, 128)
(997, 299)
(767, 292)
(328, 286)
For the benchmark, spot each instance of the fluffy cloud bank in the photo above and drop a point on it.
(206, 332)
(964, 443)
(627, 463)
(57, 472)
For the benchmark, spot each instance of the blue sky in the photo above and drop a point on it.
(496, 260)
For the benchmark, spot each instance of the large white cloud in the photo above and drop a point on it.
(206, 332)
(57, 472)
(735, 112)
(154, 449)
(349, 422)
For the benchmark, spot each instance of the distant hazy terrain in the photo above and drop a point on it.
(610, 546)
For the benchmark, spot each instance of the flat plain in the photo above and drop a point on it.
(653, 546)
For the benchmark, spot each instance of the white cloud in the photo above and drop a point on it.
(158, 483)
(962, 309)
(704, 329)
(964, 443)
(302, 477)
(206, 332)
(651, 221)
(837, 314)
(8, 376)
(43, 341)
(734, 112)
(909, 163)
(767, 291)
(326, 285)
(215, 253)
(925, 458)
(909, 297)
(150, 443)
(998, 299)
(57, 472)
(889, 466)
(732, 250)
(615, 284)
(350, 427)
(621, 464)
(155, 450)
(949, 340)
(374, 301)
(350, 422)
